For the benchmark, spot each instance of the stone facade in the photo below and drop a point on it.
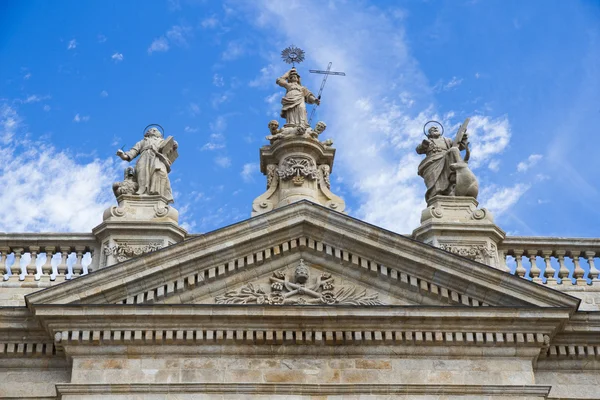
(300, 303)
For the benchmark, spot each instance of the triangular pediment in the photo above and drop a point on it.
(363, 260)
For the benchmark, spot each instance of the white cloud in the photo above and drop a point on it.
(218, 80)
(32, 99)
(223, 162)
(72, 44)
(118, 57)
(235, 49)
(27, 76)
(454, 82)
(101, 38)
(49, 189)
(160, 44)
(248, 170)
(477, 75)
(494, 165)
(83, 118)
(178, 34)
(194, 109)
(530, 162)
(219, 99)
(46, 108)
(488, 137)
(212, 146)
(266, 78)
(499, 199)
(189, 129)
(210, 22)
(104, 93)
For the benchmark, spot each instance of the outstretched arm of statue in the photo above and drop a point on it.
(423, 147)
(131, 154)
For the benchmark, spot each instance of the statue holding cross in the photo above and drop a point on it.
(294, 102)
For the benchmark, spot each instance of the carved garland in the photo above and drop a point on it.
(124, 251)
(300, 291)
(297, 169)
(476, 252)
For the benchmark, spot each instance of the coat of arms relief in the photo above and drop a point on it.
(297, 287)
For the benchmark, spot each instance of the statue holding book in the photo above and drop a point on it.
(154, 163)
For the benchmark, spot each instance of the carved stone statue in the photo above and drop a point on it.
(154, 163)
(444, 170)
(129, 184)
(294, 102)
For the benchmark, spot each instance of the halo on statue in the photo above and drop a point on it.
(432, 122)
(292, 55)
(162, 130)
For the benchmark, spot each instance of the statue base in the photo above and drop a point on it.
(138, 225)
(455, 224)
(297, 168)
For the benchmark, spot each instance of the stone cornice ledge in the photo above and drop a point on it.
(303, 389)
(303, 218)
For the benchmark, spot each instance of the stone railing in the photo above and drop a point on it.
(47, 257)
(552, 261)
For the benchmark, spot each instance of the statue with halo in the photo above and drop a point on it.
(156, 155)
(444, 170)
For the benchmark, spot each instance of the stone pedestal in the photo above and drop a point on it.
(138, 225)
(455, 224)
(297, 168)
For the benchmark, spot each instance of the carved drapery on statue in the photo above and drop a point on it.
(153, 165)
(443, 169)
(298, 289)
(293, 104)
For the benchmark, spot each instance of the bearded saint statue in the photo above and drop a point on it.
(294, 102)
(152, 166)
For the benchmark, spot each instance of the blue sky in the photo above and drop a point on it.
(81, 79)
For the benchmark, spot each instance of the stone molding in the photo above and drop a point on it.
(234, 248)
(304, 389)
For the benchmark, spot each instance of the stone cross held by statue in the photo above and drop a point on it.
(326, 73)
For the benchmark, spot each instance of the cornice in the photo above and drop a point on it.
(300, 220)
(305, 389)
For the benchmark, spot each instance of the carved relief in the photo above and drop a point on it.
(299, 289)
(297, 167)
(477, 252)
(124, 251)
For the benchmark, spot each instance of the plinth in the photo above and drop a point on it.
(138, 225)
(457, 225)
(297, 168)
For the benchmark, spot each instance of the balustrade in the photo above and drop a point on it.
(20, 256)
(581, 253)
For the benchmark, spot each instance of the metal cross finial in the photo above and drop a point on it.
(326, 73)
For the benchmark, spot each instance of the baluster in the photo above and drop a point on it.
(548, 271)
(563, 271)
(62, 268)
(47, 267)
(578, 272)
(31, 267)
(534, 272)
(593, 274)
(17, 264)
(520, 271)
(4, 252)
(78, 266)
(93, 261)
